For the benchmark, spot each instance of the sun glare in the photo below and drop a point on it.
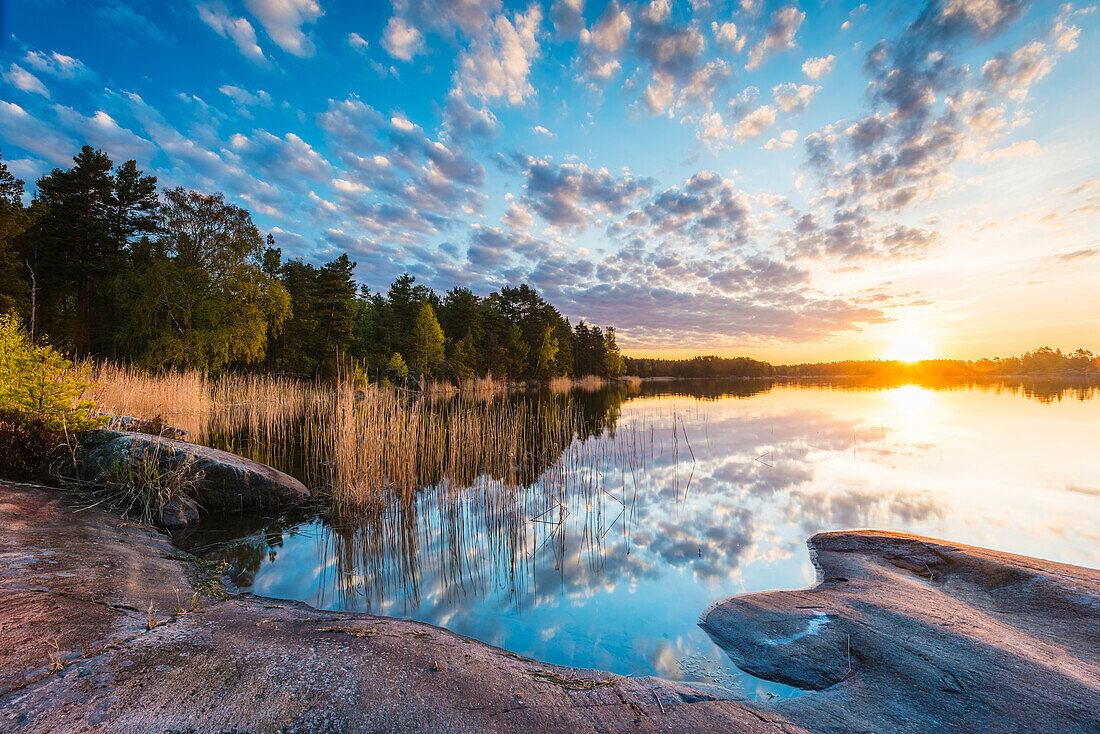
(910, 347)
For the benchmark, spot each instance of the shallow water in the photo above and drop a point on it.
(708, 489)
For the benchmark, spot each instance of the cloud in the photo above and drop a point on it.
(137, 26)
(1082, 254)
(1020, 149)
(794, 98)
(20, 128)
(567, 16)
(780, 34)
(57, 65)
(402, 40)
(540, 130)
(726, 35)
(357, 42)
(244, 97)
(754, 124)
(571, 195)
(601, 46)
(22, 79)
(815, 68)
(103, 131)
(463, 122)
(498, 63)
(239, 30)
(471, 17)
(283, 21)
(785, 140)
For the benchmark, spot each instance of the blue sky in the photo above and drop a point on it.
(809, 180)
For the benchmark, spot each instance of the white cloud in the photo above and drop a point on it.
(754, 124)
(498, 63)
(726, 34)
(20, 78)
(283, 21)
(816, 68)
(785, 140)
(540, 130)
(402, 40)
(239, 30)
(244, 97)
(794, 98)
(57, 65)
(1021, 149)
(357, 42)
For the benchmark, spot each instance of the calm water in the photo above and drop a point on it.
(711, 490)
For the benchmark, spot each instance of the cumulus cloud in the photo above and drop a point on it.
(571, 195)
(567, 16)
(815, 68)
(282, 20)
(726, 35)
(785, 140)
(779, 35)
(402, 40)
(602, 44)
(794, 98)
(498, 63)
(754, 124)
(22, 79)
(238, 30)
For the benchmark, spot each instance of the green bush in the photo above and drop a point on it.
(39, 386)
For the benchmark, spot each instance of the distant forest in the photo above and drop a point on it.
(109, 267)
(1043, 361)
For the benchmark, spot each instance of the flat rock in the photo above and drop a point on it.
(230, 482)
(910, 634)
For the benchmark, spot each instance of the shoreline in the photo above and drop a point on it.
(104, 636)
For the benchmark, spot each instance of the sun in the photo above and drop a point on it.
(909, 347)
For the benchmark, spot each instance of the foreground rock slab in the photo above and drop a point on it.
(96, 638)
(905, 633)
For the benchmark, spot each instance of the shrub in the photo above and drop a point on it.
(39, 386)
(29, 446)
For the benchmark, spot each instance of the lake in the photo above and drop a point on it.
(677, 494)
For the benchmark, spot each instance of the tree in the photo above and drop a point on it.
(14, 292)
(396, 368)
(205, 302)
(426, 356)
(75, 257)
(613, 365)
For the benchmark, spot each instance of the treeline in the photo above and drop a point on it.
(699, 367)
(1042, 361)
(108, 266)
(1038, 362)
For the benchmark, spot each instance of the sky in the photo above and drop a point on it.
(796, 181)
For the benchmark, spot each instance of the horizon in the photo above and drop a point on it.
(792, 182)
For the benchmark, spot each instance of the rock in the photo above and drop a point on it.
(911, 634)
(179, 512)
(230, 482)
(902, 634)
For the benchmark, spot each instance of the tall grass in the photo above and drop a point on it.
(375, 447)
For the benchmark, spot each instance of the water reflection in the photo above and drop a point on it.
(677, 494)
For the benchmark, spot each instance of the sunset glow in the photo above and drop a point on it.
(793, 181)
